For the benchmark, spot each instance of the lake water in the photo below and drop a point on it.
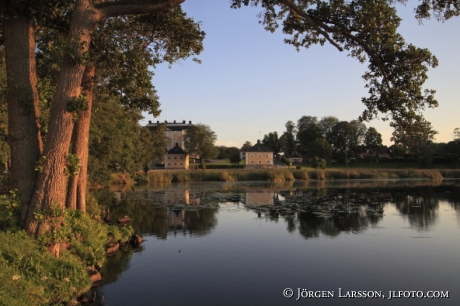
(252, 243)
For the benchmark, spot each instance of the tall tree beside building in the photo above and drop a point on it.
(272, 141)
(307, 132)
(372, 140)
(287, 140)
(200, 140)
(341, 140)
(246, 146)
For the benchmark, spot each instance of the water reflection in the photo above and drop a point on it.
(310, 210)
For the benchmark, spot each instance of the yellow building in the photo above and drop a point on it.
(258, 156)
(176, 158)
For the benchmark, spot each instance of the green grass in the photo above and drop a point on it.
(30, 275)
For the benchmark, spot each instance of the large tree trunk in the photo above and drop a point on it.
(51, 182)
(50, 187)
(76, 195)
(23, 112)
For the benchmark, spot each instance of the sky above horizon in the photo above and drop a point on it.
(250, 83)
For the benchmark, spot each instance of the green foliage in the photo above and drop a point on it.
(286, 161)
(40, 163)
(13, 208)
(73, 165)
(441, 9)
(318, 163)
(321, 148)
(77, 105)
(235, 158)
(272, 142)
(200, 140)
(287, 140)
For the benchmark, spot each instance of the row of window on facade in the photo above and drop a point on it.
(260, 155)
(175, 157)
(175, 164)
(260, 161)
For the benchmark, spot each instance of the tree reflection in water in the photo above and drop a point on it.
(313, 209)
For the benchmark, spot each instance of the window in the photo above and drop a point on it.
(268, 161)
(260, 161)
(175, 164)
(252, 161)
(260, 155)
(181, 157)
(175, 157)
(169, 164)
(252, 155)
(267, 155)
(169, 157)
(181, 164)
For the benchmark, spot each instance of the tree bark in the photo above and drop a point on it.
(23, 112)
(51, 182)
(76, 195)
(50, 188)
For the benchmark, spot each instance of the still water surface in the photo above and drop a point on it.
(245, 243)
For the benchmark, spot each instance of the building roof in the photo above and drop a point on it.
(177, 150)
(259, 147)
(171, 126)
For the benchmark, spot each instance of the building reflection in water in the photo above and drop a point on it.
(261, 198)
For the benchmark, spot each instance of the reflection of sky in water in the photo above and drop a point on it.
(249, 260)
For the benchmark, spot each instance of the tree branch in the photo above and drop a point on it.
(135, 7)
(295, 9)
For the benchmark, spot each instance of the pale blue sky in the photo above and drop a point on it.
(250, 83)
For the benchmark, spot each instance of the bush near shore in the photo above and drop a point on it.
(287, 174)
(31, 275)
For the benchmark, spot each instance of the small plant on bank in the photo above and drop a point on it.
(13, 209)
(318, 163)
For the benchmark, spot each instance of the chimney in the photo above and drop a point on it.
(183, 121)
(150, 121)
(174, 121)
(166, 121)
(190, 122)
(158, 121)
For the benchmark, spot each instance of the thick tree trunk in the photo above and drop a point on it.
(50, 187)
(23, 112)
(51, 182)
(76, 195)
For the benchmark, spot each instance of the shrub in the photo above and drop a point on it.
(318, 163)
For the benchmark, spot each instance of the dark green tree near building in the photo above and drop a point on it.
(246, 146)
(287, 140)
(272, 141)
(372, 140)
(308, 132)
(341, 140)
(200, 140)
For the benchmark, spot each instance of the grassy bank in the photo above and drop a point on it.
(288, 174)
(30, 275)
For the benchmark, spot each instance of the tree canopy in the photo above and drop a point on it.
(200, 140)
